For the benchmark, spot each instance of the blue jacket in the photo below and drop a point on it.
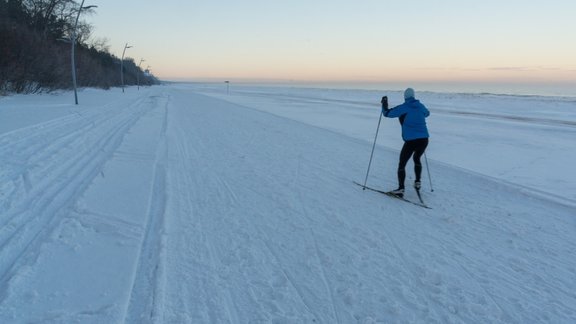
(412, 116)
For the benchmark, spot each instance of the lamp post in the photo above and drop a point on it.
(122, 66)
(138, 73)
(73, 54)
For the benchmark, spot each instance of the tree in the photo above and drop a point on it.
(35, 56)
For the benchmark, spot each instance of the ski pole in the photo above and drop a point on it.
(428, 170)
(372, 154)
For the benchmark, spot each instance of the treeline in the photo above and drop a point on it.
(35, 50)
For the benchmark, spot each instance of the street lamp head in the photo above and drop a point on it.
(89, 7)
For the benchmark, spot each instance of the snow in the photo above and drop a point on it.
(185, 204)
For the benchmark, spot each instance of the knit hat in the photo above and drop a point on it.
(409, 93)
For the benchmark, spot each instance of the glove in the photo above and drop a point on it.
(384, 102)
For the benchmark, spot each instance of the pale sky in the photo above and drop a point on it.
(357, 40)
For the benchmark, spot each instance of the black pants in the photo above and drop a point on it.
(414, 147)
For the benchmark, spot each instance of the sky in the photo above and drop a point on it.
(337, 40)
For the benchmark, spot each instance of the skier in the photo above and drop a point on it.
(412, 115)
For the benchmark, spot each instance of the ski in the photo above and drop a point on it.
(420, 197)
(389, 194)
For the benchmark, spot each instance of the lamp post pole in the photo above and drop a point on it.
(73, 54)
(122, 66)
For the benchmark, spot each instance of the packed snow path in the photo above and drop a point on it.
(169, 206)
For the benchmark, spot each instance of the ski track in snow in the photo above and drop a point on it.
(33, 210)
(53, 163)
(176, 207)
(145, 306)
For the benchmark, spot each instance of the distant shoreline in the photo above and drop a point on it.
(497, 89)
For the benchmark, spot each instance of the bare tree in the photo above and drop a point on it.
(101, 44)
(33, 56)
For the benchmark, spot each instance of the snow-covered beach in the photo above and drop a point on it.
(188, 203)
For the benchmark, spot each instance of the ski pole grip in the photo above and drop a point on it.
(384, 102)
